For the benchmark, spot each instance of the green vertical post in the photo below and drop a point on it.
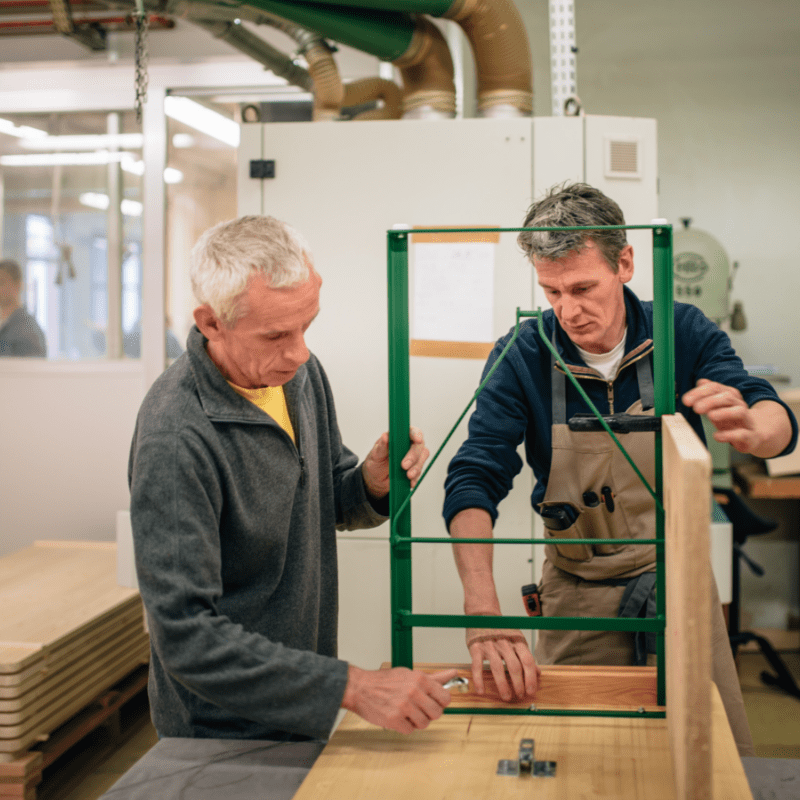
(399, 422)
(664, 368)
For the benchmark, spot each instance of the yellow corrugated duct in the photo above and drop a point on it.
(502, 55)
(368, 89)
(427, 71)
(328, 88)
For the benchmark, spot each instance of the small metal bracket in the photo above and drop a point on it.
(526, 755)
(508, 766)
(544, 769)
(525, 764)
(262, 168)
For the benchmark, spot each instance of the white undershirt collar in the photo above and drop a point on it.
(608, 363)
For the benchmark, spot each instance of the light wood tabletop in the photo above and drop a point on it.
(457, 756)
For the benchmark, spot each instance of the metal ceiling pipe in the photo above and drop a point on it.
(321, 78)
(256, 48)
(326, 84)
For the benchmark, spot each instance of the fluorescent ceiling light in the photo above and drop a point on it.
(172, 175)
(131, 141)
(183, 140)
(132, 165)
(94, 200)
(23, 131)
(64, 159)
(130, 208)
(202, 119)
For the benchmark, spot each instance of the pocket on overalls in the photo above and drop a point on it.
(560, 523)
(597, 525)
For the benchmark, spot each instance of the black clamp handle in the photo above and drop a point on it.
(619, 423)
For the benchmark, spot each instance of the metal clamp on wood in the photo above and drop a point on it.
(525, 764)
(458, 683)
(619, 423)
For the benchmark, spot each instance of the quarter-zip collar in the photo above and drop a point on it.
(219, 401)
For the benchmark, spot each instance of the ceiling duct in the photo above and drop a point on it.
(427, 70)
(411, 42)
(502, 55)
(386, 29)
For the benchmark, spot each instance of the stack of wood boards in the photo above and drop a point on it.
(68, 632)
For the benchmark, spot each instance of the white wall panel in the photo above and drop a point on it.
(67, 433)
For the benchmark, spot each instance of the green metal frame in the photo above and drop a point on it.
(401, 493)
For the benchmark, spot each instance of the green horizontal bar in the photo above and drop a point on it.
(650, 227)
(405, 619)
(557, 712)
(402, 540)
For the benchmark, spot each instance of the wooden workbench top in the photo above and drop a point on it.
(456, 758)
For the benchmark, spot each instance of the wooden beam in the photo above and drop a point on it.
(687, 504)
(591, 687)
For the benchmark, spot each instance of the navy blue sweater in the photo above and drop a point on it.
(515, 406)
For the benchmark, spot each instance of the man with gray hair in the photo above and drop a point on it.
(239, 480)
(584, 486)
(20, 334)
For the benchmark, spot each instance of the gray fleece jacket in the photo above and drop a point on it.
(235, 538)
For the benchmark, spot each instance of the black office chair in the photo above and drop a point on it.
(746, 523)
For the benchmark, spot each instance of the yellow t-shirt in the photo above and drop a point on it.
(271, 400)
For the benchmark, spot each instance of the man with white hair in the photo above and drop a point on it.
(239, 480)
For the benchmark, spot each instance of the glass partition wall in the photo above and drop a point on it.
(71, 191)
(74, 210)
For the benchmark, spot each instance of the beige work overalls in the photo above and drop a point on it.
(588, 580)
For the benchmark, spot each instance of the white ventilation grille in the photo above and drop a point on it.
(623, 158)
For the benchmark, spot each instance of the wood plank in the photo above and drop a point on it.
(456, 758)
(57, 683)
(68, 633)
(730, 781)
(444, 349)
(687, 503)
(563, 686)
(126, 622)
(13, 739)
(48, 593)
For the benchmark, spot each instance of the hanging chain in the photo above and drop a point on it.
(141, 20)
